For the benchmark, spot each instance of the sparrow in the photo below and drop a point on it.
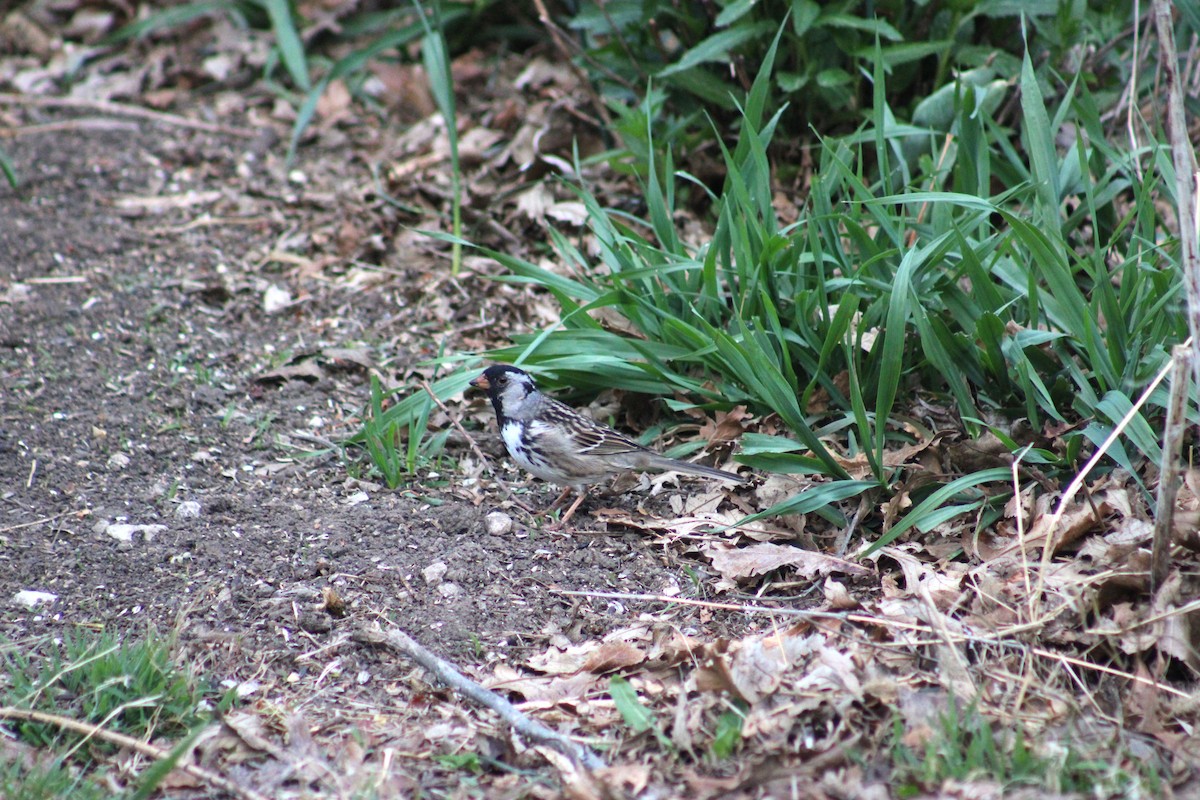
(558, 444)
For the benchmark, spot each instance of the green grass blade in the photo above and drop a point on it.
(924, 513)
(291, 49)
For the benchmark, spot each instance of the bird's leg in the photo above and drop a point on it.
(571, 510)
(558, 526)
(558, 501)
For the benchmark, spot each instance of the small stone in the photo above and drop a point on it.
(118, 461)
(357, 498)
(30, 598)
(275, 299)
(188, 509)
(449, 590)
(434, 573)
(124, 533)
(498, 523)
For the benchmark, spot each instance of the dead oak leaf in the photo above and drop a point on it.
(726, 426)
(613, 656)
(736, 563)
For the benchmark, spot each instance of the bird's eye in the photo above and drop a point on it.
(502, 379)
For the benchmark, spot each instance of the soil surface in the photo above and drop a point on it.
(162, 428)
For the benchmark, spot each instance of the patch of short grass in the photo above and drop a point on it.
(47, 781)
(966, 747)
(129, 686)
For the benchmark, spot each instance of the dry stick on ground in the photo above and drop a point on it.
(448, 674)
(121, 740)
(123, 110)
(453, 421)
(1168, 474)
(1185, 168)
(1184, 159)
(37, 522)
(82, 124)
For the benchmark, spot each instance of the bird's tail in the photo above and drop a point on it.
(671, 464)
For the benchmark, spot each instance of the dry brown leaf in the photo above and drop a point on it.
(543, 691)
(334, 104)
(567, 661)
(613, 656)
(943, 587)
(754, 668)
(735, 563)
(534, 201)
(725, 426)
(1075, 521)
(251, 730)
(778, 488)
(577, 783)
(307, 370)
(571, 212)
(837, 596)
(404, 87)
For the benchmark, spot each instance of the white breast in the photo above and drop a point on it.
(514, 441)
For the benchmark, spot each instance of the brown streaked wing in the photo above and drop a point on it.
(591, 437)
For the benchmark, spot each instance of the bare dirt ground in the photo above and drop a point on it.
(141, 386)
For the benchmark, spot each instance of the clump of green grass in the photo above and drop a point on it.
(133, 687)
(965, 747)
(394, 438)
(997, 285)
(702, 56)
(47, 781)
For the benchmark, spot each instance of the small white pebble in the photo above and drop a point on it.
(275, 299)
(449, 590)
(498, 523)
(29, 598)
(124, 533)
(188, 509)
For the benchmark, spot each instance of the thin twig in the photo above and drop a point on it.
(843, 540)
(1020, 515)
(1130, 93)
(1184, 158)
(1168, 473)
(124, 110)
(37, 522)
(69, 126)
(448, 674)
(121, 740)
